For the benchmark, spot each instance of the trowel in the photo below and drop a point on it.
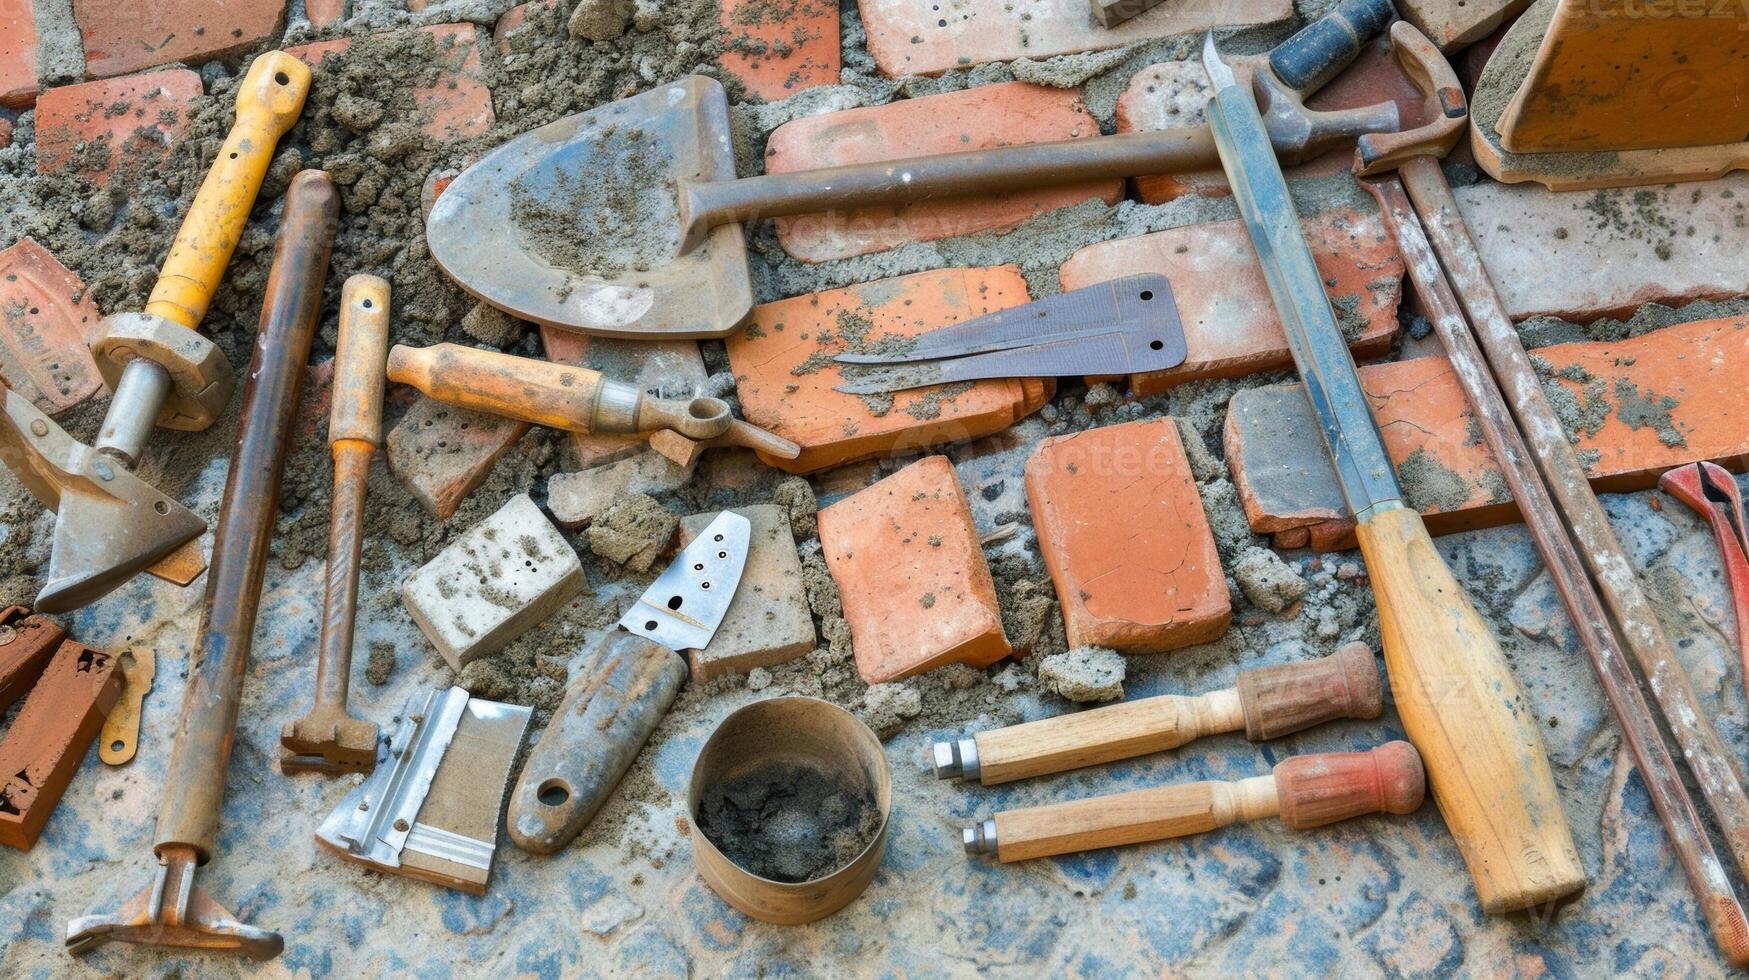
(625, 220)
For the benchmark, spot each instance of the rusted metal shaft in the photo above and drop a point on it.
(1543, 439)
(345, 548)
(195, 785)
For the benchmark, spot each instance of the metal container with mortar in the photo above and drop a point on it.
(804, 732)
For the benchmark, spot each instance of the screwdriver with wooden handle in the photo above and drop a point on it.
(1460, 704)
(1265, 703)
(1307, 791)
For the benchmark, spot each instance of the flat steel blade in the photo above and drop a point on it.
(684, 606)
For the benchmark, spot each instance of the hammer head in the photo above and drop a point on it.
(1447, 112)
(109, 524)
(328, 740)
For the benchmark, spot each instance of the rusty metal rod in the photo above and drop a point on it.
(172, 911)
(1670, 798)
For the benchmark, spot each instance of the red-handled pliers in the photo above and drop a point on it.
(1712, 491)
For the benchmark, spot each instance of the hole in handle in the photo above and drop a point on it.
(554, 792)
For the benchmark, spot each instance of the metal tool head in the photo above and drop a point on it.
(328, 739)
(1220, 73)
(109, 524)
(576, 224)
(172, 912)
(684, 606)
(1445, 116)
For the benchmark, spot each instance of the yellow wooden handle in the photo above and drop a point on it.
(268, 102)
(558, 396)
(1119, 731)
(1466, 713)
(360, 353)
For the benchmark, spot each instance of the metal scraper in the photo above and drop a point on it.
(1123, 326)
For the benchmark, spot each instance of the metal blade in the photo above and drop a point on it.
(1139, 305)
(684, 606)
(1332, 385)
(1103, 354)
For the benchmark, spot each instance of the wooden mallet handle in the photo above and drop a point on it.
(1308, 791)
(1266, 703)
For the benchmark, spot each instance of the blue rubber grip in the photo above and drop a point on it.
(1326, 46)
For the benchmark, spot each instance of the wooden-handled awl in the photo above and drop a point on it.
(1459, 702)
(1307, 791)
(1265, 703)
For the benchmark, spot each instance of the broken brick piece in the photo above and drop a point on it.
(522, 25)
(1581, 255)
(1121, 527)
(672, 368)
(45, 315)
(911, 38)
(494, 583)
(116, 126)
(911, 574)
(777, 49)
(577, 499)
(27, 642)
(125, 36)
(1231, 328)
(784, 372)
(974, 119)
(18, 72)
(48, 740)
(1635, 408)
(457, 104)
(441, 452)
(324, 12)
(768, 622)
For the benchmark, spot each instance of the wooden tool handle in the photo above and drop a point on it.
(360, 356)
(1309, 791)
(1287, 698)
(555, 395)
(1088, 738)
(1466, 714)
(269, 100)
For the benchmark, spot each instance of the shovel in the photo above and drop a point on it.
(625, 220)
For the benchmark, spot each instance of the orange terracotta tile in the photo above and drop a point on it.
(1230, 325)
(18, 82)
(125, 36)
(779, 47)
(47, 741)
(673, 367)
(978, 118)
(784, 374)
(1643, 406)
(441, 453)
(114, 127)
(45, 316)
(1121, 527)
(911, 574)
(459, 104)
(324, 12)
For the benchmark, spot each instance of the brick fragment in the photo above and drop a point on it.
(494, 583)
(1230, 325)
(1581, 255)
(674, 368)
(45, 316)
(18, 71)
(910, 38)
(777, 49)
(123, 36)
(911, 574)
(768, 623)
(5, 133)
(116, 127)
(975, 119)
(27, 643)
(323, 13)
(577, 499)
(441, 452)
(458, 104)
(785, 375)
(523, 25)
(48, 740)
(1635, 407)
(1121, 526)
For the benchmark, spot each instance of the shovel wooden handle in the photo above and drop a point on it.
(1308, 791)
(558, 396)
(268, 103)
(1265, 703)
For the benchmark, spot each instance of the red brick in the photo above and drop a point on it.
(911, 574)
(1121, 527)
(1285, 482)
(1581, 255)
(18, 74)
(1230, 325)
(45, 316)
(779, 47)
(456, 106)
(139, 118)
(785, 377)
(907, 37)
(47, 741)
(975, 119)
(514, 31)
(322, 13)
(675, 367)
(442, 453)
(126, 36)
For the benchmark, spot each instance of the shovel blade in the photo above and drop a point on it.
(575, 224)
